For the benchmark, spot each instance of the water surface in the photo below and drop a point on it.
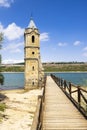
(13, 81)
(16, 80)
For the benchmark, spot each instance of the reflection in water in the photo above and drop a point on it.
(1, 79)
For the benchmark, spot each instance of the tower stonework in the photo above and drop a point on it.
(33, 70)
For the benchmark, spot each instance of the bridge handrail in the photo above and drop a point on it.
(69, 89)
(37, 121)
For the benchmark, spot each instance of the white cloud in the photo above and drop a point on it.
(1, 27)
(85, 49)
(16, 51)
(62, 44)
(13, 32)
(14, 47)
(6, 3)
(44, 37)
(11, 61)
(85, 54)
(76, 43)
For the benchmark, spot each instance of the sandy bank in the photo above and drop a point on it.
(21, 106)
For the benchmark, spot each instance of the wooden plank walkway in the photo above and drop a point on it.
(59, 113)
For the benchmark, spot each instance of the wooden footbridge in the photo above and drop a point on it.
(55, 110)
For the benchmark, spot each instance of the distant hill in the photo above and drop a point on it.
(19, 63)
(48, 67)
(74, 62)
(55, 63)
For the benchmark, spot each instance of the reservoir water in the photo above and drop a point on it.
(12, 81)
(16, 80)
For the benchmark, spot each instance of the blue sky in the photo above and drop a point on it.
(62, 25)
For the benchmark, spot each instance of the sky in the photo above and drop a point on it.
(62, 25)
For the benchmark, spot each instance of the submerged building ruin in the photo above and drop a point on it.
(34, 74)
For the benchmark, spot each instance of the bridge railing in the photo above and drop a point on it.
(38, 117)
(75, 93)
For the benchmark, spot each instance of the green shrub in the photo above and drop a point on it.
(2, 106)
(1, 79)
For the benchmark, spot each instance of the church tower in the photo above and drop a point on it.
(32, 54)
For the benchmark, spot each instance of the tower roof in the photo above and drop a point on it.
(32, 24)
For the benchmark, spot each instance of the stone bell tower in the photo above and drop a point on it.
(32, 54)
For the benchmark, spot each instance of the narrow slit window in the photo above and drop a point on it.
(32, 83)
(33, 53)
(33, 68)
(33, 39)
